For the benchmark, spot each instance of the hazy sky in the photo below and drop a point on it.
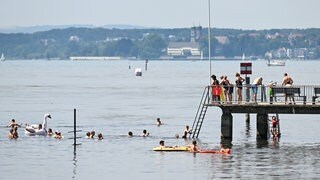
(240, 14)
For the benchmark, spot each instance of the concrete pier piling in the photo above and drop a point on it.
(226, 127)
(262, 126)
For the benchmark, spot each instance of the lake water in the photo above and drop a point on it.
(110, 99)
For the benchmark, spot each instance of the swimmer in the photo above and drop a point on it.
(194, 147)
(130, 134)
(100, 137)
(159, 122)
(92, 133)
(145, 133)
(50, 132)
(13, 124)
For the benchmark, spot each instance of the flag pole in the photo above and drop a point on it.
(209, 41)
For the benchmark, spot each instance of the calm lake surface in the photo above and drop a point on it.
(111, 100)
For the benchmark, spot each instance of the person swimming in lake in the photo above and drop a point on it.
(88, 135)
(224, 150)
(194, 147)
(57, 135)
(130, 134)
(161, 143)
(100, 137)
(13, 124)
(92, 134)
(159, 122)
(187, 131)
(145, 133)
(50, 132)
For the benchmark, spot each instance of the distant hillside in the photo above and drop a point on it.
(153, 43)
(33, 29)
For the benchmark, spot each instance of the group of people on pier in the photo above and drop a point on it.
(222, 91)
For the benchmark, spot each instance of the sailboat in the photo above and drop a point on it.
(2, 57)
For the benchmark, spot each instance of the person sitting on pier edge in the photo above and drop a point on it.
(186, 132)
(216, 89)
(254, 86)
(194, 147)
(159, 122)
(239, 81)
(145, 133)
(287, 81)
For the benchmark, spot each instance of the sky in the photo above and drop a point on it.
(237, 14)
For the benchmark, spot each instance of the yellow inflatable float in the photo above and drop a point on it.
(171, 148)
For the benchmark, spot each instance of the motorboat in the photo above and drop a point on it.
(138, 72)
(276, 63)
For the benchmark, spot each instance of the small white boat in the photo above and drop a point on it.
(138, 72)
(276, 63)
(2, 58)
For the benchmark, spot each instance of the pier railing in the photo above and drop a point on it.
(296, 94)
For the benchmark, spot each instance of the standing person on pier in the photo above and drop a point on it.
(287, 81)
(255, 84)
(216, 90)
(239, 81)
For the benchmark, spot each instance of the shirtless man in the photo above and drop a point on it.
(194, 147)
(287, 81)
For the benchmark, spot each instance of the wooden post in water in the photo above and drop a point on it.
(74, 127)
(146, 65)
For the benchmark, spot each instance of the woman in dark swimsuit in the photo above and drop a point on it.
(239, 86)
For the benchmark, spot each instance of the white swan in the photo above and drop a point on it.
(35, 130)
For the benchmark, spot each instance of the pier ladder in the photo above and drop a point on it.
(201, 113)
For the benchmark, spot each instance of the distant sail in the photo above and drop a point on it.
(2, 57)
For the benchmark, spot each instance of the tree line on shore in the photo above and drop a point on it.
(152, 43)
